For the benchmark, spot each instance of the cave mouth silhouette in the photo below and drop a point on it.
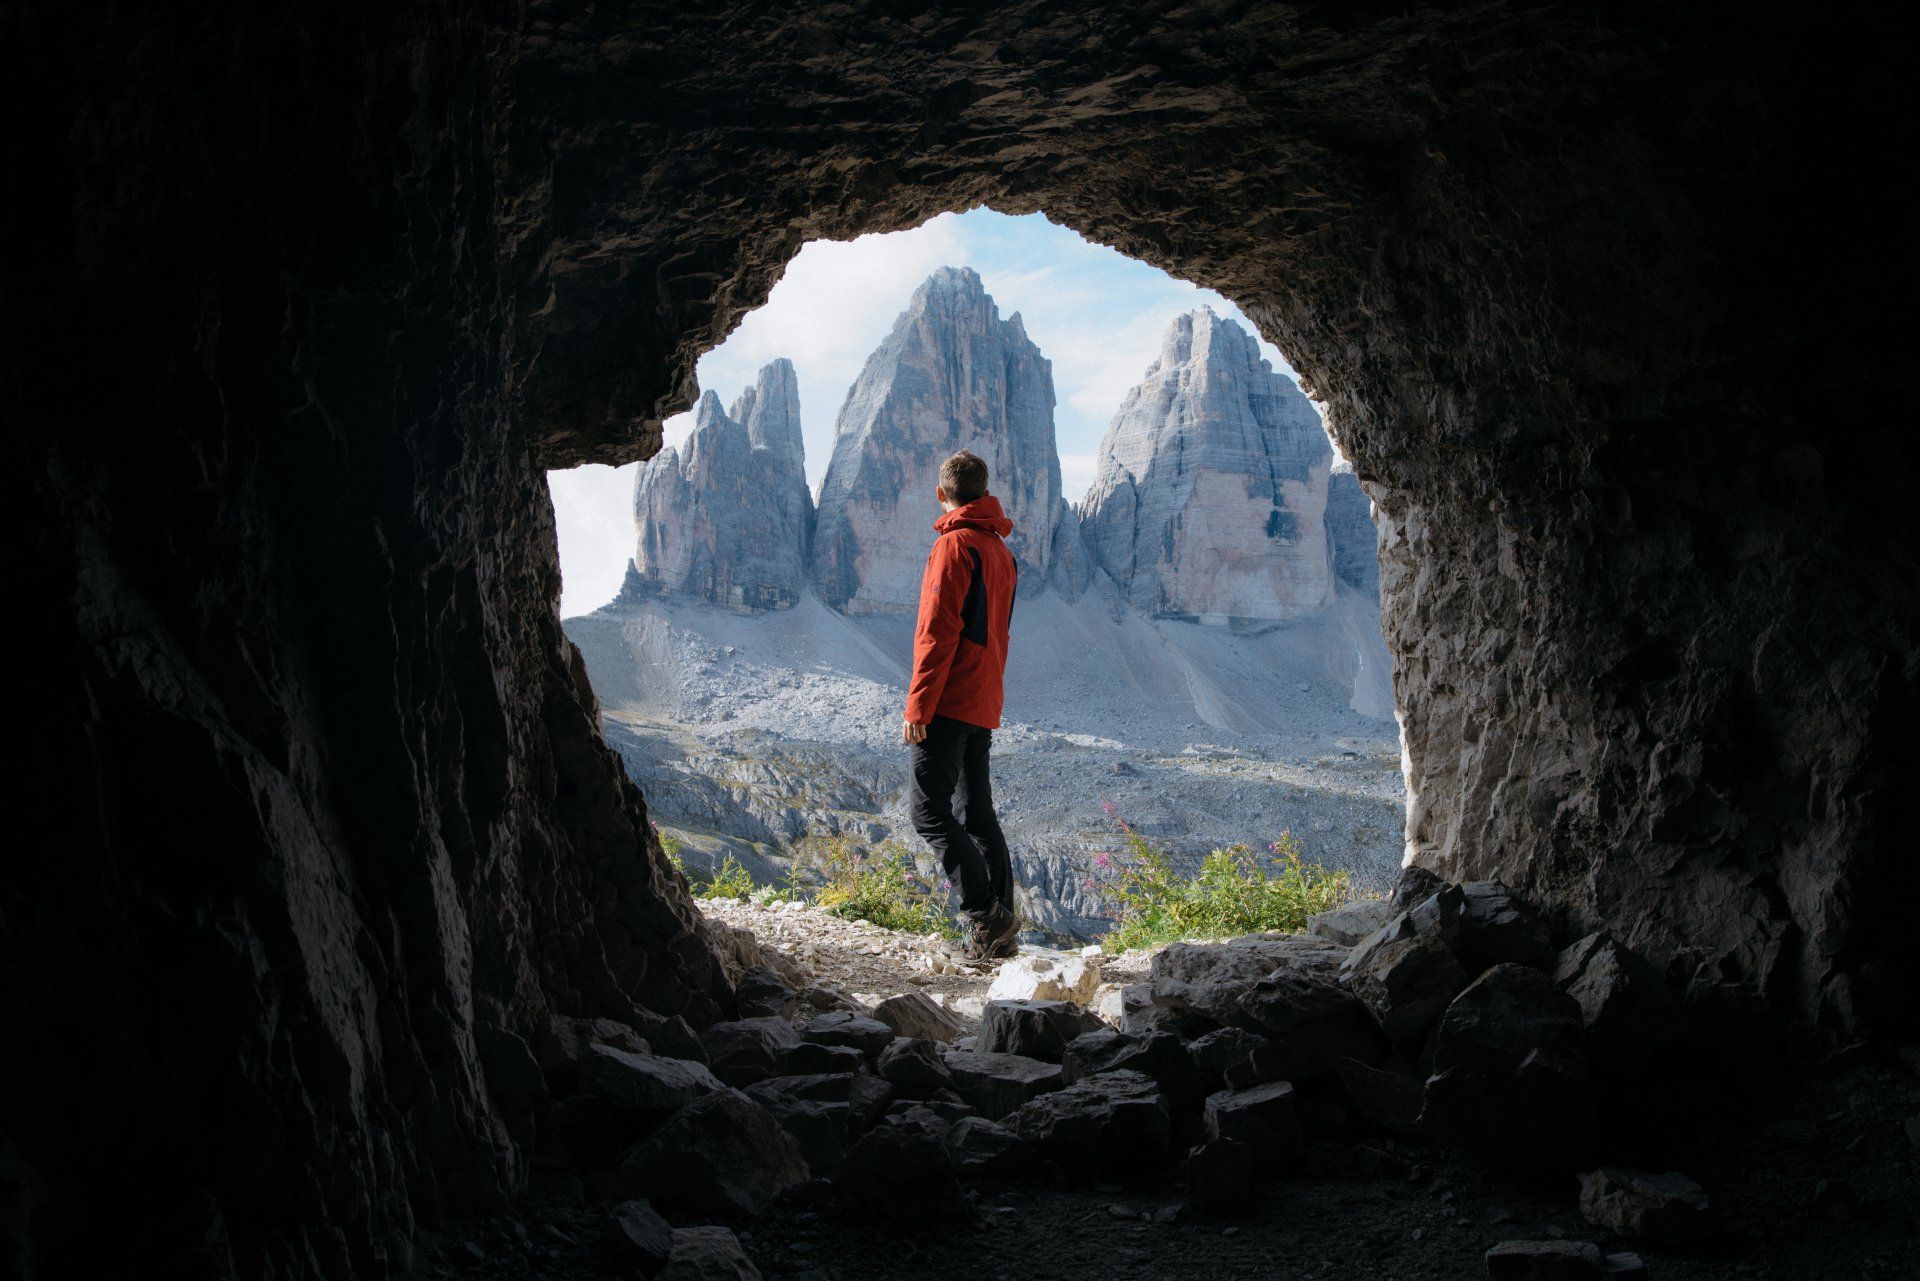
(327, 828)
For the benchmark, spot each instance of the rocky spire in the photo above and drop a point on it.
(726, 516)
(952, 375)
(1210, 496)
(770, 411)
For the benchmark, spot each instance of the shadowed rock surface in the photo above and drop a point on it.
(301, 301)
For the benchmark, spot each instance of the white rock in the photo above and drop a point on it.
(1046, 976)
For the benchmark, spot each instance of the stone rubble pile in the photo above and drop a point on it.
(1453, 1018)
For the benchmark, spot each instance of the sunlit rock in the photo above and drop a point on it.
(1211, 496)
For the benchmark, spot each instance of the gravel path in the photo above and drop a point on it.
(870, 963)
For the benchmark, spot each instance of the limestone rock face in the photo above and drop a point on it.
(1350, 532)
(1210, 497)
(725, 517)
(952, 375)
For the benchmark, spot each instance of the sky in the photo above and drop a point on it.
(1094, 312)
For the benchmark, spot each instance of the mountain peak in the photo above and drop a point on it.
(952, 375)
(1211, 492)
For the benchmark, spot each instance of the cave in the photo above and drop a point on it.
(317, 824)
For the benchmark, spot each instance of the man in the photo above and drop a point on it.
(953, 703)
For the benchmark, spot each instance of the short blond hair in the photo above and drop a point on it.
(963, 477)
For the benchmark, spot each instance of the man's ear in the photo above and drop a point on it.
(939, 494)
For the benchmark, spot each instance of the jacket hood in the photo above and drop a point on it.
(982, 513)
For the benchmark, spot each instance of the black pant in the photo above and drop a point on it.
(948, 770)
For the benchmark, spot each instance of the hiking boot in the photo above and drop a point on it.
(1005, 941)
(982, 936)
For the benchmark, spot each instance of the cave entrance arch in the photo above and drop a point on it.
(350, 831)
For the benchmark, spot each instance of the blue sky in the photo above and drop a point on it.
(1094, 312)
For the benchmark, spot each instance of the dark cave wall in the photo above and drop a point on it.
(1633, 420)
(325, 823)
(307, 302)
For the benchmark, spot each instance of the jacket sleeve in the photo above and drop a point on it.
(937, 634)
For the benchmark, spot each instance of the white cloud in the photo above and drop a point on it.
(593, 516)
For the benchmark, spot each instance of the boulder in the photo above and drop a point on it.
(900, 1174)
(811, 1058)
(644, 1082)
(1495, 927)
(1391, 1099)
(945, 1105)
(1666, 1209)
(822, 1130)
(1509, 1080)
(1206, 980)
(675, 1038)
(913, 1014)
(858, 1031)
(911, 1061)
(761, 993)
(1405, 979)
(1222, 1050)
(1350, 924)
(871, 1096)
(707, 1254)
(1113, 1123)
(1160, 1055)
(721, 1155)
(1220, 1176)
(742, 1051)
(1139, 1015)
(1034, 1029)
(1410, 887)
(984, 1149)
(996, 1084)
(1311, 1019)
(634, 1238)
(1261, 1116)
(823, 1087)
(1046, 976)
(561, 1043)
(1629, 1011)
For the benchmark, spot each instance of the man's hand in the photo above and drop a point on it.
(913, 733)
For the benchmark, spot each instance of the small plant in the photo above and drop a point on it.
(880, 886)
(729, 880)
(1235, 891)
(670, 846)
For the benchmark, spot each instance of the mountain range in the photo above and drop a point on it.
(1211, 600)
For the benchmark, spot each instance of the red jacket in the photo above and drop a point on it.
(966, 606)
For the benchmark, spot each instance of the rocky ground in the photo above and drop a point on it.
(751, 734)
(1811, 1166)
(870, 964)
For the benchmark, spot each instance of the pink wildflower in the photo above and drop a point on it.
(1103, 859)
(1108, 807)
(1088, 883)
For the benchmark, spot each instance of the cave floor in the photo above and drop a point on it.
(1374, 1208)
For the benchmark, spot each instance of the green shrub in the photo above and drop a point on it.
(880, 886)
(729, 880)
(1235, 891)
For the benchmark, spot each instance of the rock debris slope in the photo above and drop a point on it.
(1211, 492)
(725, 517)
